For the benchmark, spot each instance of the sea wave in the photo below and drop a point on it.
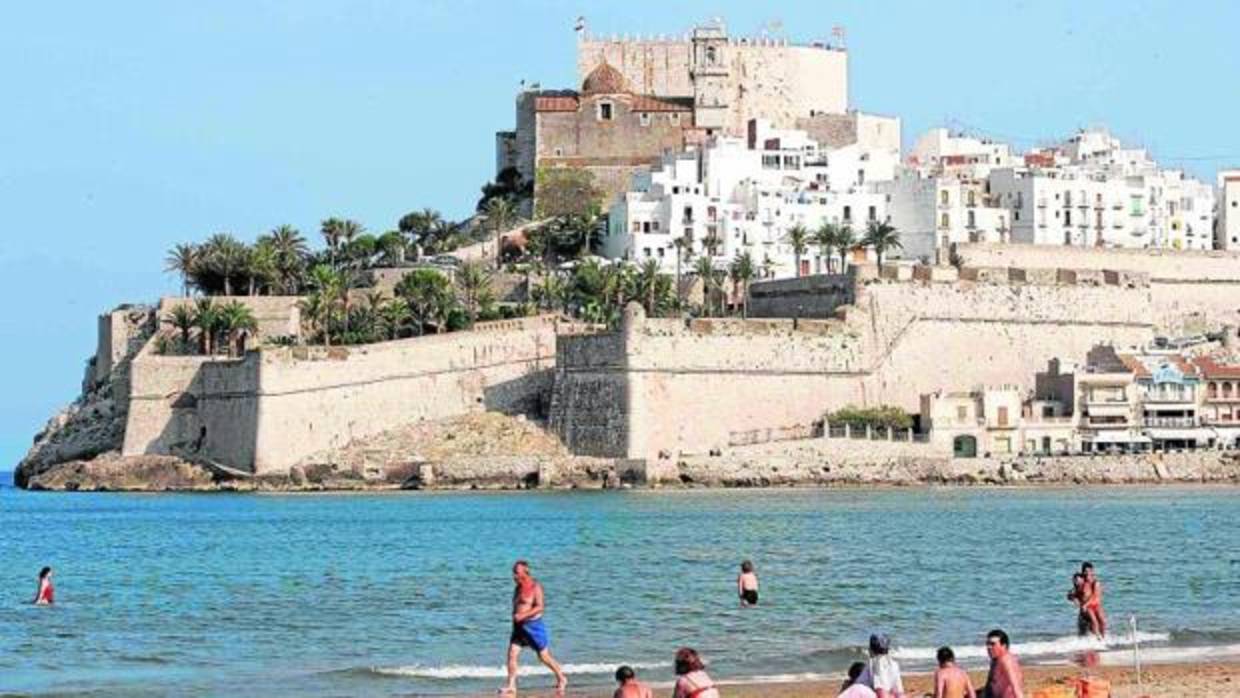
(1059, 646)
(451, 672)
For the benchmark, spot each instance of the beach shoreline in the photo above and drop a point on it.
(1162, 680)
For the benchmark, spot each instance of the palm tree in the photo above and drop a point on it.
(394, 314)
(798, 237)
(474, 281)
(322, 303)
(500, 214)
(182, 318)
(225, 255)
(422, 227)
(290, 253)
(684, 250)
(704, 268)
(647, 284)
(881, 237)
(350, 230)
(825, 237)
(182, 259)
(206, 319)
(391, 246)
(742, 271)
(331, 230)
(261, 265)
(845, 241)
(430, 296)
(235, 318)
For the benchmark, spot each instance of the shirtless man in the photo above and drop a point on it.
(950, 681)
(1005, 679)
(528, 629)
(1091, 600)
(747, 584)
(630, 687)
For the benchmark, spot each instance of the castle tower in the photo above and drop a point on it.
(708, 70)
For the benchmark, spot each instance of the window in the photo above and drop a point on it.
(962, 413)
(1003, 416)
(873, 213)
(646, 227)
(972, 198)
(972, 219)
(944, 197)
(558, 152)
(637, 226)
(860, 176)
(605, 110)
(688, 214)
(712, 55)
(1015, 215)
(945, 221)
(646, 251)
(660, 253)
(644, 118)
(674, 118)
(1067, 218)
(848, 213)
(654, 225)
(1212, 389)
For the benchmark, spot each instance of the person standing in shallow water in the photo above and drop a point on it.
(528, 629)
(46, 595)
(1091, 600)
(747, 584)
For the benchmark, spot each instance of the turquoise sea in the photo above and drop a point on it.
(407, 594)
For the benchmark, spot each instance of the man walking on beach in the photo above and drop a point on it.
(528, 629)
(1005, 679)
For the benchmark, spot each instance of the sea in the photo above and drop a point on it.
(408, 594)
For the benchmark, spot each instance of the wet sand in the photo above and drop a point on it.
(1215, 680)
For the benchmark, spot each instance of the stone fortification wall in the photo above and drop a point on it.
(277, 316)
(313, 399)
(1160, 265)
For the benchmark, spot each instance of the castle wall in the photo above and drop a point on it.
(590, 403)
(1159, 264)
(314, 399)
(815, 296)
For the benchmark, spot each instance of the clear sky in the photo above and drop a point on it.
(126, 127)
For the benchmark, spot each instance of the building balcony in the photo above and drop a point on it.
(1171, 422)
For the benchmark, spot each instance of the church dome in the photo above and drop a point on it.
(604, 80)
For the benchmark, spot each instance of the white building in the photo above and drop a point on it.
(1227, 227)
(737, 195)
(1091, 191)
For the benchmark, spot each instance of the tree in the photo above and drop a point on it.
(825, 237)
(500, 215)
(261, 266)
(647, 285)
(845, 241)
(226, 256)
(207, 320)
(182, 319)
(508, 184)
(742, 271)
(391, 247)
(182, 259)
(290, 256)
(474, 281)
(684, 250)
(236, 317)
(424, 227)
(332, 231)
(704, 268)
(395, 316)
(881, 237)
(430, 296)
(798, 238)
(320, 306)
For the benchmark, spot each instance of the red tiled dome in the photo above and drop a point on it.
(604, 80)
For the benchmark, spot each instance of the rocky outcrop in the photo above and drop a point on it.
(111, 473)
(91, 426)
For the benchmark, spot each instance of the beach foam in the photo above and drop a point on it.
(458, 671)
(1060, 646)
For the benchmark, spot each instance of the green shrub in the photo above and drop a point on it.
(888, 416)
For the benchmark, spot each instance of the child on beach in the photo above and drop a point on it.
(630, 687)
(852, 687)
(950, 681)
(747, 584)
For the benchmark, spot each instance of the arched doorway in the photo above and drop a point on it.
(964, 447)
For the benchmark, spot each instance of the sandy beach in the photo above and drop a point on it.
(1214, 680)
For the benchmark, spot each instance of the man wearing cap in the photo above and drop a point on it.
(882, 673)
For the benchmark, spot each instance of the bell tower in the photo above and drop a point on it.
(708, 70)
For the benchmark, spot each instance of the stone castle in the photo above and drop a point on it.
(657, 390)
(641, 98)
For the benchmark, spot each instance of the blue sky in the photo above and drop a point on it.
(126, 127)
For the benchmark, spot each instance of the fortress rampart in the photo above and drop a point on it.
(279, 405)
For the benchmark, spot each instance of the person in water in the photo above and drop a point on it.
(46, 595)
(747, 584)
(1091, 601)
(1075, 595)
(1005, 679)
(528, 629)
(691, 678)
(882, 673)
(630, 687)
(853, 688)
(950, 681)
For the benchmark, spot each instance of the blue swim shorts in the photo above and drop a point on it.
(531, 633)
